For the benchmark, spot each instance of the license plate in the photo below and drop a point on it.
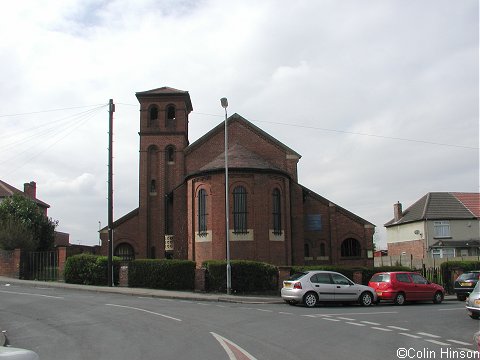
(287, 285)
(464, 284)
(379, 293)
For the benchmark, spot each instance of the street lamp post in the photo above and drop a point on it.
(224, 103)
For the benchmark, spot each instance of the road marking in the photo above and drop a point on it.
(430, 335)
(221, 306)
(233, 351)
(143, 310)
(344, 318)
(462, 308)
(354, 323)
(362, 313)
(285, 313)
(397, 328)
(330, 319)
(381, 329)
(458, 342)
(264, 310)
(371, 323)
(30, 294)
(411, 335)
(437, 342)
(204, 304)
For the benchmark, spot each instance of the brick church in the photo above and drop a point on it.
(272, 218)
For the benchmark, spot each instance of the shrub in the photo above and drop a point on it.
(162, 274)
(87, 269)
(247, 276)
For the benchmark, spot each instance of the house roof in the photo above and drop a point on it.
(237, 118)
(166, 91)
(7, 190)
(441, 206)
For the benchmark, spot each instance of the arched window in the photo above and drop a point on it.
(306, 250)
(153, 116)
(170, 116)
(277, 212)
(125, 251)
(350, 248)
(240, 210)
(202, 212)
(322, 249)
(170, 154)
(153, 186)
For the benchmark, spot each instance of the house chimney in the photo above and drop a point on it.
(397, 211)
(30, 189)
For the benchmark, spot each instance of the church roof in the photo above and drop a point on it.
(237, 117)
(239, 158)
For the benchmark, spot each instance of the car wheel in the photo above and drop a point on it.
(366, 299)
(475, 316)
(461, 297)
(399, 299)
(438, 297)
(310, 299)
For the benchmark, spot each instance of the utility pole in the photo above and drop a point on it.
(111, 110)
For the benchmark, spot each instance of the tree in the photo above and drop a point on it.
(23, 225)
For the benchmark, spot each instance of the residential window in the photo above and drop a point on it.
(277, 212)
(240, 210)
(202, 212)
(440, 253)
(306, 250)
(322, 249)
(350, 248)
(441, 229)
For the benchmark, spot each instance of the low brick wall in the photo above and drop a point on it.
(10, 263)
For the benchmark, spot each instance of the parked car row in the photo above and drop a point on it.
(312, 287)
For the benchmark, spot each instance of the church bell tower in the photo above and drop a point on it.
(163, 138)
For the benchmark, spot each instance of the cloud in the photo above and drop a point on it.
(314, 74)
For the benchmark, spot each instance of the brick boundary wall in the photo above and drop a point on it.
(10, 263)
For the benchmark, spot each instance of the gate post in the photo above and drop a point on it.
(62, 257)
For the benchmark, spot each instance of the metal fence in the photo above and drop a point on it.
(39, 265)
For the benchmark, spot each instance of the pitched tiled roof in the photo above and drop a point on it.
(239, 158)
(7, 190)
(441, 206)
(165, 90)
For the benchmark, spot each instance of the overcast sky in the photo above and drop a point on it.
(380, 97)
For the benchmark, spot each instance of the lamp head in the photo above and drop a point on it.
(224, 102)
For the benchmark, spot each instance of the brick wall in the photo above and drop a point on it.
(10, 263)
(416, 248)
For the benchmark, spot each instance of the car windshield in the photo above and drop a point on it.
(297, 276)
(380, 278)
(476, 289)
(469, 276)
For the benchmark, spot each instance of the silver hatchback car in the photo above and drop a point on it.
(473, 302)
(313, 287)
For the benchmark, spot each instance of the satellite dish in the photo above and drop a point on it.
(416, 232)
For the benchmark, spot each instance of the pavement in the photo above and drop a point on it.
(165, 294)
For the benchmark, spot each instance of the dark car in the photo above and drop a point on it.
(402, 286)
(465, 284)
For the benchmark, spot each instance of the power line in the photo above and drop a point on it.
(50, 110)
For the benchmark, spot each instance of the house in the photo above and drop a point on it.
(181, 212)
(438, 225)
(30, 190)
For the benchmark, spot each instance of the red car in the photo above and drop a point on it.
(401, 286)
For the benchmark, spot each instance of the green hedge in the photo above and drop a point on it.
(247, 276)
(162, 274)
(87, 269)
(367, 272)
(464, 265)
